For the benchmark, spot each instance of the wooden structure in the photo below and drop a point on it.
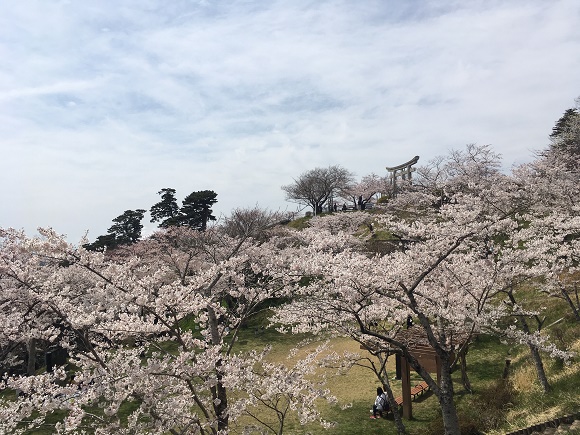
(428, 358)
(403, 172)
(416, 391)
(416, 342)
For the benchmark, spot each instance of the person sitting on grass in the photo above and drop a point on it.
(381, 404)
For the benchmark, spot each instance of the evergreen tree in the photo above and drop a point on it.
(566, 133)
(127, 227)
(563, 124)
(107, 241)
(196, 210)
(166, 210)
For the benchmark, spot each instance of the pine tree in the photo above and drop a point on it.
(196, 210)
(127, 227)
(126, 230)
(566, 133)
(166, 210)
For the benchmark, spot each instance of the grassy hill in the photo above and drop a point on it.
(494, 406)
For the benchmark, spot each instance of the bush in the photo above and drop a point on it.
(497, 401)
(467, 425)
(486, 411)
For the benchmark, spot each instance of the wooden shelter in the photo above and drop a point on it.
(415, 339)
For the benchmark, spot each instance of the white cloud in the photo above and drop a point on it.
(104, 103)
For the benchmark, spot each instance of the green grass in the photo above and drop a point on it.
(485, 362)
(494, 406)
(482, 409)
(300, 223)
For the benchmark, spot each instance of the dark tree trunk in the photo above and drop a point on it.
(448, 410)
(219, 391)
(443, 389)
(567, 298)
(31, 349)
(537, 358)
(394, 408)
(464, 377)
(221, 408)
(506, 368)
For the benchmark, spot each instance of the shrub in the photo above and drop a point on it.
(468, 425)
(497, 400)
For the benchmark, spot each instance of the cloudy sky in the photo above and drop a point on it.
(103, 103)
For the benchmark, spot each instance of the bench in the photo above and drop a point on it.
(417, 390)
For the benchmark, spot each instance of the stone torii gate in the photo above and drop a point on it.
(402, 171)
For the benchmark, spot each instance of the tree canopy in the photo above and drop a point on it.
(461, 260)
(196, 209)
(565, 136)
(149, 332)
(195, 213)
(125, 323)
(165, 211)
(314, 188)
(126, 229)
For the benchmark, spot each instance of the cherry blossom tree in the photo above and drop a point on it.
(566, 286)
(549, 233)
(271, 390)
(150, 330)
(375, 361)
(367, 188)
(442, 176)
(464, 255)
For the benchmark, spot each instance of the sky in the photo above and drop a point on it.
(103, 103)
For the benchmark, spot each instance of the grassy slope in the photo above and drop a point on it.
(522, 405)
(485, 367)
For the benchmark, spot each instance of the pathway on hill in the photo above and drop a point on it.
(569, 424)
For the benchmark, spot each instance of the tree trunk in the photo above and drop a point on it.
(443, 389)
(464, 377)
(567, 298)
(394, 408)
(221, 408)
(219, 391)
(31, 349)
(537, 358)
(506, 368)
(448, 410)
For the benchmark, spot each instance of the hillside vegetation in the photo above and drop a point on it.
(253, 325)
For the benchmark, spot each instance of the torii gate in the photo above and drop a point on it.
(402, 171)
